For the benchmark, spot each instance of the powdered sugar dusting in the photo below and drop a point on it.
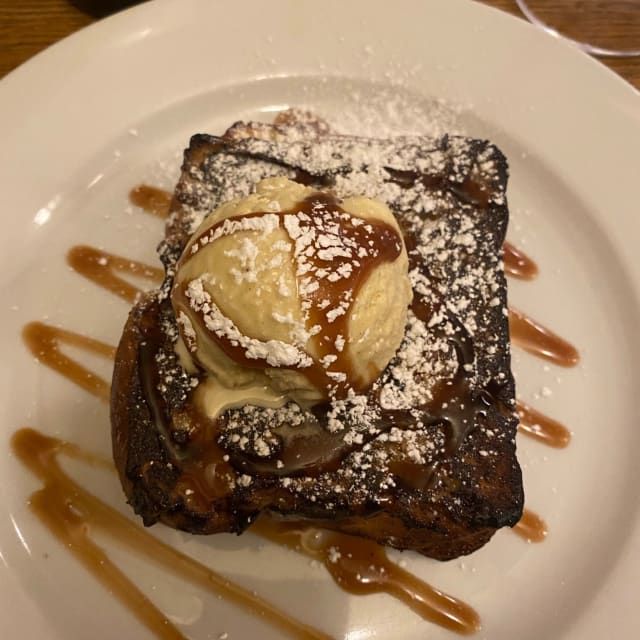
(275, 353)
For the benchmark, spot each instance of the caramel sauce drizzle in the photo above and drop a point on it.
(44, 342)
(517, 263)
(542, 427)
(362, 567)
(70, 512)
(533, 337)
(541, 342)
(526, 332)
(101, 268)
(531, 527)
(67, 510)
(151, 200)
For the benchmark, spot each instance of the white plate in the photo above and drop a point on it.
(571, 130)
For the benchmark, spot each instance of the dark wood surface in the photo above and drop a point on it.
(28, 26)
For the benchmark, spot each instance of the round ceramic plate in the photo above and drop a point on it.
(114, 105)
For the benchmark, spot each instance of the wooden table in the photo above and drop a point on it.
(28, 26)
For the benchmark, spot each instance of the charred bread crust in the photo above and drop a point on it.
(449, 197)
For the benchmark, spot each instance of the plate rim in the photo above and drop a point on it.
(123, 24)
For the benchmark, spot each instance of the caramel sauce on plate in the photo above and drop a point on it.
(44, 342)
(362, 567)
(71, 513)
(531, 527)
(517, 263)
(541, 427)
(540, 341)
(151, 199)
(101, 268)
(358, 566)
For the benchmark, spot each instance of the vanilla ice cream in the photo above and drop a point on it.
(290, 293)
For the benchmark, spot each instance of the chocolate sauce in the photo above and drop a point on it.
(380, 243)
(517, 263)
(531, 527)
(361, 567)
(151, 199)
(540, 341)
(44, 342)
(72, 514)
(541, 427)
(101, 267)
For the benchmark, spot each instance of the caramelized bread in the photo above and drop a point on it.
(425, 460)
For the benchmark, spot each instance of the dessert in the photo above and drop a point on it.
(410, 441)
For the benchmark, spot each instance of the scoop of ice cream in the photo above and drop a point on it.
(294, 293)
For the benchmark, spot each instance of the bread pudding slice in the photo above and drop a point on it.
(423, 459)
